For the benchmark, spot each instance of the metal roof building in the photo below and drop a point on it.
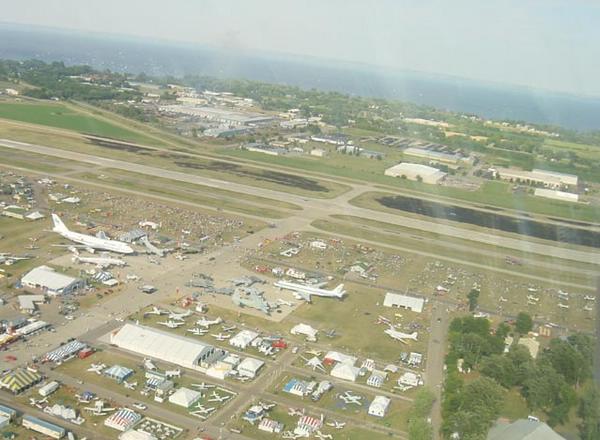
(165, 346)
(523, 430)
(48, 280)
(404, 301)
(43, 427)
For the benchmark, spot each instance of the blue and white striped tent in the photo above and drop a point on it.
(65, 351)
(118, 373)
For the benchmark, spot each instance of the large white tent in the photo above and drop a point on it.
(157, 344)
(185, 397)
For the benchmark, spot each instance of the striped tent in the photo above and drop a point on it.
(19, 380)
(122, 419)
(65, 351)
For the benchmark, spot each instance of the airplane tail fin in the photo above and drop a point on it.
(339, 291)
(59, 226)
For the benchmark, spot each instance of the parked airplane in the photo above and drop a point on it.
(151, 249)
(156, 311)
(149, 365)
(563, 306)
(97, 368)
(130, 385)
(203, 322)
(179, 316)
(202, 410)
(532, 298)
(336, 425)
(229, 328)
(173, 373)
(588, 308)
(203, 386)
(300, 291)
(283, 302)
(103, 262)
(98, 409)
(400, 336)
(218, 398)
(589, 298)
(9, 259)
(89, 241)
(321, 436)
(171, 324)
(350, 398)
(315, 363)
(314, 352)
(295, 412)
(37, 403)
(221, 337)
(502, 299)
(197, 331)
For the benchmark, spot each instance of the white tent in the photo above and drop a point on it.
(185, 397)
(345, 372)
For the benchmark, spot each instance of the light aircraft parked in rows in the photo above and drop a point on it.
(97, 368)
(315, 363)
(203, 386)
(336, 425)
(321, 436)
(221, 337)
(156, 311)
(179, 316)
(197, 331)
(589, 298)
(218, 398)
(89, 241)
(99, 409)
(350, 398)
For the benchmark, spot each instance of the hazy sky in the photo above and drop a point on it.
(550, 44)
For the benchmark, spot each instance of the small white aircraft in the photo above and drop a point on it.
(149, 365)
(314, 352)
(531, 303)
(203, 386)
(97, 368)
(588, 308)
(295, 412)
(89, 241)
(202, 410)
(37, 403)
(197, 331)
(336, 425)
(179, 316)
(303, 292)
(289, 435)
(171, 324)
(267, 350)
(315, 363)
(173, 373)
(267, 406)
(10, 259)
(502, 299)
(156, 311)
(283, 302)
(99, 409)
(532, 298)
(350, 398)
(400, 336)
(218, 398)
(563, 306)
(221, 337)
(207, 322)
(83, 399)
(563, 293)
(322, 436)
(130, 385)
(532, 289)
(229, 329)
(589, 298)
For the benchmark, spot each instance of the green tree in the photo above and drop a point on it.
(473, 297)
(589, 412)
(524, 323)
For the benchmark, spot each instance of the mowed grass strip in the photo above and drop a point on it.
(60, 116)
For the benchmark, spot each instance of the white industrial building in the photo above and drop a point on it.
(219, 115)
(415, 171)
(379, 406)
(404, 302)
(51, 282)
(249, 367)
(556, 195)
(437, 156)
(243, 339)
(168, 347)
(185, 397)
(29, 303)
(550, 179)
(337, 357)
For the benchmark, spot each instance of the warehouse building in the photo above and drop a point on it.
(46, 279)
(345, 372)
(556, 195)
(243, 339)
(437, 156)
(185, 397)
(250, 367)
(415, 171)
(522, 430)
(168, 347)
(43, 427)
(549, 179)
(220, 115)
(404, 302)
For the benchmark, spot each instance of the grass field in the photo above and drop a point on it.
(61, 116)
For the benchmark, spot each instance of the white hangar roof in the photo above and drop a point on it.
(405, 301)
(47, 277)
(161, 345)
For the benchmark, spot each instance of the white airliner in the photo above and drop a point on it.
(301, 291)
(88, 240)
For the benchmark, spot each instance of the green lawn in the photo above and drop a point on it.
(61, 116)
